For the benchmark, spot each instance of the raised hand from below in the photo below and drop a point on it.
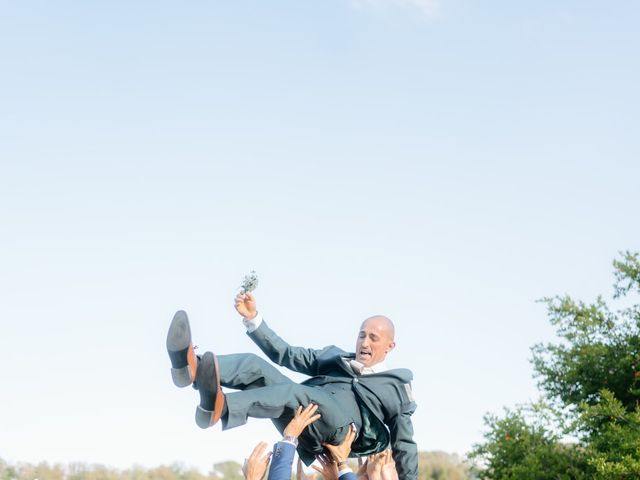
(256, 465)
(300, 475)
(381, 466)
(328, 468)
(389, 471)
(301, 419)
(340, 453)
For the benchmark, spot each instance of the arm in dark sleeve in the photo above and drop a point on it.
(405, 450)
(348, 475)
(281, 461)
(298, 359)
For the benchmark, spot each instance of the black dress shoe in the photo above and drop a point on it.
(211, 397)
(184, 362)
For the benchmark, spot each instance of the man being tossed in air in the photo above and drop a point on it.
(349, 388)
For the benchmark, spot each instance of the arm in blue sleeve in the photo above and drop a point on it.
(281, 461)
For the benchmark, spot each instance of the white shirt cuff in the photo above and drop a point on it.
(252, 323)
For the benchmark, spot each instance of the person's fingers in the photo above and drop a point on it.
(308, 411)
(329, 447)
(327, 459)
(299, 471)
(258, 450)
(333, 451)
(311, 420)
(360, 462)
(249, 296)
(351, 435)
(317, 469)
(311, 409)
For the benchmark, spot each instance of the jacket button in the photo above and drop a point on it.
(355, 380)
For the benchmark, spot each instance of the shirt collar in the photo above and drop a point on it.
(360, 369)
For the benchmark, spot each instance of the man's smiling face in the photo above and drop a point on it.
(375, 340)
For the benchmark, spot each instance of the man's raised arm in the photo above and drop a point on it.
(298, 359)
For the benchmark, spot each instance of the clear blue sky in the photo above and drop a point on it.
(443, 162)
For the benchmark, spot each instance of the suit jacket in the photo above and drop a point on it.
(282, 461)
(385, 398)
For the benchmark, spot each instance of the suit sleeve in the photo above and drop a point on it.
(405, 450)
(348, 476)
(281, 461)
(298, 359)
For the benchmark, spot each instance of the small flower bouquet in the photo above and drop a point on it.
(249, 282)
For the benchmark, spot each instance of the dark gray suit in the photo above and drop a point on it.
(379, 404)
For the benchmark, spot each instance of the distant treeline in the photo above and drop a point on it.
(432, 466)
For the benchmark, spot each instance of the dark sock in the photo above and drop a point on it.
(194, 385)
(206, 377)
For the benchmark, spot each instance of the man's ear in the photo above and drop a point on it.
(390, 347)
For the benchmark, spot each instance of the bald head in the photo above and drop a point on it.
(375, 340)
(381, 323)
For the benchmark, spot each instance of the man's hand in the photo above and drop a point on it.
(340, 453)
(328, 468)
(361, 474)
(381, 466)
(245, 304)
(300, 475)
(389, 471)
(301, 420)
(374, 467)
(256, 465)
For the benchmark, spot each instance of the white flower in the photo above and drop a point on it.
(249, 282)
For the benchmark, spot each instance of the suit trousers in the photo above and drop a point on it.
(264, 392)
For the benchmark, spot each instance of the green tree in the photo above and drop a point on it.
(613, 433)
(523, 445)
(591, 379)
(7, 472)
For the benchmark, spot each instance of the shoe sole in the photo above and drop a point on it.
(184, 362)
(211, 395)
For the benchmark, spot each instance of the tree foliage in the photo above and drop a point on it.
(441, 466)
(590, 378)
(431, 466)
(522, 445)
